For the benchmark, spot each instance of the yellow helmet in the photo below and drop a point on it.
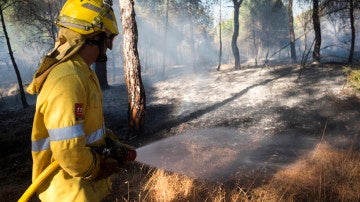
(88, 16)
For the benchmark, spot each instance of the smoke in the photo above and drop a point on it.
(188, 43)
(184, 41)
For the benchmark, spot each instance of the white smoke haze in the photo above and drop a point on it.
(181, 43)
(227, 123)
(189, 43)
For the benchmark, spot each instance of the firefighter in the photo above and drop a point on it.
(68, 120)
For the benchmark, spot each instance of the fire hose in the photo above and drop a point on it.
(123, 153)
(38, 181)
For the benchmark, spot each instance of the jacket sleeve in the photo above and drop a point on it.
(67, 136)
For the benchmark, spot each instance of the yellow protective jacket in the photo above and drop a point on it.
(67, 122)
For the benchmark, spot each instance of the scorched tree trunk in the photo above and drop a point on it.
(132, 68)
(234, 46)
(317, 29)
(18, 76)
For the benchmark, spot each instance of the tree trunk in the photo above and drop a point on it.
(234, 46)
(192, 41)
(255, 47)
(317, 29)
(220, 39)
(352, 21)
(113, 79)
(165, 37)
(21, 88)
(132, 68)
(292, 33)
(101, 72)
(53, 30)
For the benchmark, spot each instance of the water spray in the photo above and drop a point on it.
(221, 154)
(214, 154)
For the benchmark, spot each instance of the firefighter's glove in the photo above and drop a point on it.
(111, 139)
(131, 155)
(108, 166)
(122, 153)
(118, 150)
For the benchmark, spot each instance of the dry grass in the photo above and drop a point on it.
(163, 186)
(325, 174)
(353, 78)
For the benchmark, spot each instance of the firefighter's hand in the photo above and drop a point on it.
(131, 155)
(108, 166)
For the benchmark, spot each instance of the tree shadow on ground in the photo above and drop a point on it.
(158, 122)
(300, 127)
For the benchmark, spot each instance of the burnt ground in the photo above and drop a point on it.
(285, 110)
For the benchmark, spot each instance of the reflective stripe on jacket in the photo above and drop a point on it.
(69, 119)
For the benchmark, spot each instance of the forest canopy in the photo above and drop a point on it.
(187, 33)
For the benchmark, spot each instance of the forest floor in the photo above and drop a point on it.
(281, 112)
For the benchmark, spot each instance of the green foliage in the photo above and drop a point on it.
(353, 78)
(265, 20)
(226, 30)
(186, 25)
(32, 21)
(263, 27)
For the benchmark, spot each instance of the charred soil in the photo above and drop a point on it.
(289, 108)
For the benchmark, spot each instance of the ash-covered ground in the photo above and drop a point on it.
(276, 114)
(269, 101)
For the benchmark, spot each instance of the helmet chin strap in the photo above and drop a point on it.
(101, 45)
(102, 53)
(102, 56)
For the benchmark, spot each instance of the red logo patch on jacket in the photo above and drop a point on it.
(79, 113)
